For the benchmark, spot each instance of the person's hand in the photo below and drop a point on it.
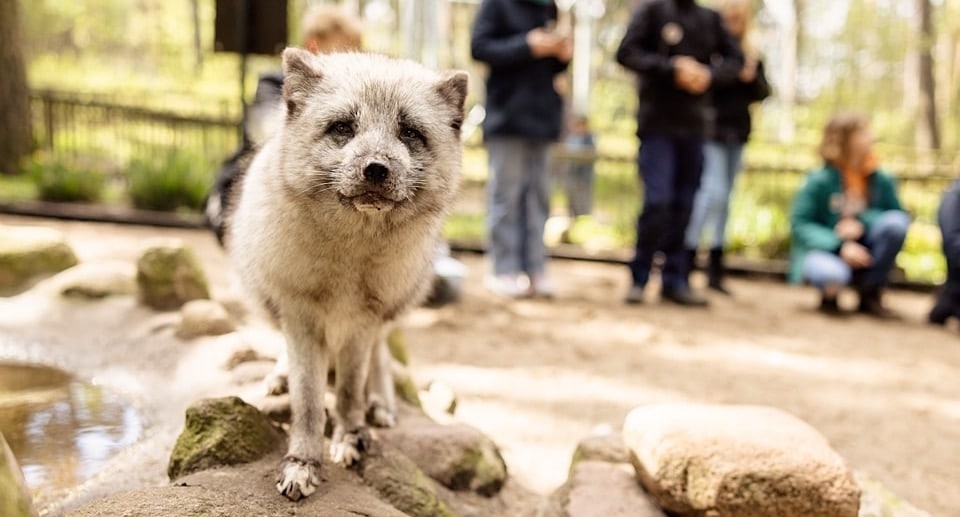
(544, 43)
(564, 50)
(856, 255)
(849, 229)
(749, 71)
(691, 75)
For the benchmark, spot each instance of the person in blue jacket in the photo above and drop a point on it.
(519, 43)
(948, 299)
(677, 49)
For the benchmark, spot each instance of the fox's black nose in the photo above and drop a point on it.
(376, 172)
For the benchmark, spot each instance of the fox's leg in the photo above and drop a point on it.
(381, 397)
(350, 434)
(300, 470)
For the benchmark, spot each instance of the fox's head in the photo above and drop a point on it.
(371, 134)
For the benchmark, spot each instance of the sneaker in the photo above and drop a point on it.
(542, 287)
(683, 296)
(635, 295)
(830, 306)
(509, 286)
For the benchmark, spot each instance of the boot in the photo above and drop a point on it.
(683, 296)
(716, 272)
(871, 303)
(829, 305)
(942, 310)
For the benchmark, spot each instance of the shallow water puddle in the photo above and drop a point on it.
(62, 431)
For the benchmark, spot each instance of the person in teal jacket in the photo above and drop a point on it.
(847, 224)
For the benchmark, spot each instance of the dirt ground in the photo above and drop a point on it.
(538, 376)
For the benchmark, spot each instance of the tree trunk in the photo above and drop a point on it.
(16, 136)
(928, 132)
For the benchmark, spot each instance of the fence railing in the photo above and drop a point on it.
(72, 125)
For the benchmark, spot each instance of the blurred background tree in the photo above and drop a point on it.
(16, 136)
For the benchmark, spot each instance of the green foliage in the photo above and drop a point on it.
(60, 179)
(178, 179)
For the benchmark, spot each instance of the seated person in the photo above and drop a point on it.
(948, 299)
(846, 223)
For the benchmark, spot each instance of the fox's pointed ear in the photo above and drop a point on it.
(453, 89)
(299, 78)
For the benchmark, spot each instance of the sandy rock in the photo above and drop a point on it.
(96, 280)
(458, 456)
(604, 447)
(27, 253)
(204, 318)
(244, 355)
(245, 491)
(745, 461)
(600, 488)
(223, 431)
(169, 275)
(15, 499)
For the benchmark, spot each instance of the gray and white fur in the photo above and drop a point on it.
(335, 230)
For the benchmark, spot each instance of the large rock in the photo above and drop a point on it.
(15, 500)
(743, 461)
(458, 456)
(169, 275)
(607, 448)
(27, 254)
(223, 431)
(204, 318)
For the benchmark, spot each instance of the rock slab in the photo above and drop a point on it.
(744, 461)
(204, 318)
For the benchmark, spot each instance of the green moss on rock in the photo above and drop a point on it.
(169, 276)
(397, 348)
(405, 388)
(222, 431)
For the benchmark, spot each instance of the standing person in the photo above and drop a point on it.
(517, 41)
(846, 224)
(677, 49)
(948, 299)
(724, 148)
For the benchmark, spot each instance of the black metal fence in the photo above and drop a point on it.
(69, 125)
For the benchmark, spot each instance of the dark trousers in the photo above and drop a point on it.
(670, 170)
(949, 220)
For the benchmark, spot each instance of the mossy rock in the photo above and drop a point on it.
(397, 347)
(401, 483)
(15, 501)
(404, 387)
(169, 275)
(608, 448)
(222, 431)
(28, 253)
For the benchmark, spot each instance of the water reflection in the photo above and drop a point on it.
(61, 431)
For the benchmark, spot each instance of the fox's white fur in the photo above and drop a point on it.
(335, 229)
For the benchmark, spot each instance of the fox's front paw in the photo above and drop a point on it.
(347, 447)
(380, 415)
(275, 383)
(298, 478)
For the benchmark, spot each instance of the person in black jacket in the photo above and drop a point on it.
(948, 300)
(677, 48)
(518, 42)
(724, 148)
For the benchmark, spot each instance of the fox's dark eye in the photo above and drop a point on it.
(411, 136)
(341, 128)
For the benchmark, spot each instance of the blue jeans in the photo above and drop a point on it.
(721, 163)
(884, 240)
(670, 170)
(518, 203)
